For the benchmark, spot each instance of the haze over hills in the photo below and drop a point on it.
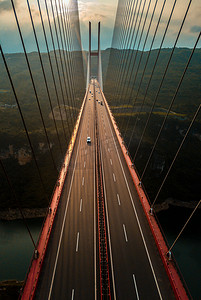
(183, 182)
(15, 152)
(189, 93)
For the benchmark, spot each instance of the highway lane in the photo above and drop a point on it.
(138, 272)
(69, 270)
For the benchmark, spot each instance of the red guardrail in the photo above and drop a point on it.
(36, 264)
(170, 267)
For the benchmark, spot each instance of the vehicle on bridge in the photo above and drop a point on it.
(88, 140)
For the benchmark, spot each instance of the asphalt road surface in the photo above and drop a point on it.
(137, 269)
(69, 269)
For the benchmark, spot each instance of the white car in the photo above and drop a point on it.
(88, 140)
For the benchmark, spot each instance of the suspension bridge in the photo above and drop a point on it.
(100, 238)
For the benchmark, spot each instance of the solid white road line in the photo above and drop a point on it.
(80, 205)
(125, 234)
(136, 215)
(72, 295)
(118, 199)
(114, 177)
(82, 180)
(136, 290)
(110, 161)
(77, 242)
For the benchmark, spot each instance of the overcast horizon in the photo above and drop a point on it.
(103, 11)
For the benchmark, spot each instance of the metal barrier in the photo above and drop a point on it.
(105, 288)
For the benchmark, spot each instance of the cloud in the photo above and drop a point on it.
(103, 11)
(5, 5)
(195, 29)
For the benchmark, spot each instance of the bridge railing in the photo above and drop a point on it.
(173, 260)
(32, 276)
(176, 279)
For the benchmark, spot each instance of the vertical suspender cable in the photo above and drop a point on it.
(136, 54)
(33, 83)
(45, 79)
(193, 120)
(143, 73)
(155, 63)
(59, 50)
(69, 57)
(52, 72)
(65, 69)
(128, 57)
(57, 67)
(117, 43)
(170, 106)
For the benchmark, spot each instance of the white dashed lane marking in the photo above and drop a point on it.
(77, 243)
(125, 234)
(80, 205)
(118, 198)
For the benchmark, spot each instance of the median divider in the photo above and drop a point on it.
(178, 284)
(32, 276)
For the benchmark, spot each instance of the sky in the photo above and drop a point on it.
(95, 11)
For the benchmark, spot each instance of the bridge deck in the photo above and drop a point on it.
(69, 269)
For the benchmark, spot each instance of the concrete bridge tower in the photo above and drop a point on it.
(94, 53)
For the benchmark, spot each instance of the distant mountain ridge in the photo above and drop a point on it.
(190, 91)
